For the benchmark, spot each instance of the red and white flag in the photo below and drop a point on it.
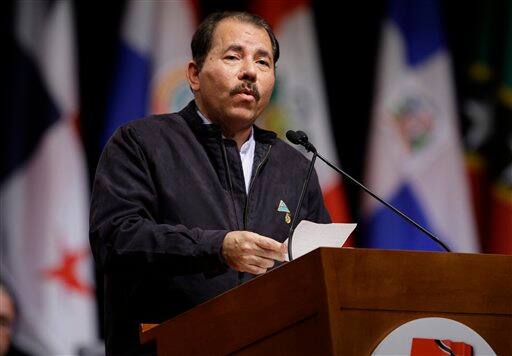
(45, 255)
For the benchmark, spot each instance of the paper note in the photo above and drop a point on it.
(309, 236)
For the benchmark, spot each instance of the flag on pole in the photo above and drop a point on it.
(500, 234)
(415, 155)
(478, 116)
(45, 255)
(153, 52)
(299, 101)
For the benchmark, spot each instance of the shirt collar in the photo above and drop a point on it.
(245, 146)
(204, 118)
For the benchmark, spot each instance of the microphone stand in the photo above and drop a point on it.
(300, 138)
(390, 206)
(299, 205)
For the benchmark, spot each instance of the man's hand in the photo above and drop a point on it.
(247, 251)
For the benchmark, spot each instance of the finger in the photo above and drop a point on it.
(267, 243)
(261, 262)
(284, 248)
(269, 254)
(253, 269)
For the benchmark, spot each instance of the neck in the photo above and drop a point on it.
(237, 134)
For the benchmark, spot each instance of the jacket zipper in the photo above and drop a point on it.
(246, 208)
(228, 172)
(230, 182)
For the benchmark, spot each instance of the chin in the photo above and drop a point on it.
(241, 114)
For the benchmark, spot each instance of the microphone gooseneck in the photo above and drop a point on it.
(299, 204)
(300, 138)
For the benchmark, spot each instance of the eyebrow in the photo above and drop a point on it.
(235, 47)
(238, 48)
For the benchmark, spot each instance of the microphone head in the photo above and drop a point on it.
(293, 137)
(302, 136)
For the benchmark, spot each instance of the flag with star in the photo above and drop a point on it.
(45, 254)
(478, 114)
(500, 232)
(487, 113)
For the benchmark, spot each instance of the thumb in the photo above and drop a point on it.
(284, 247)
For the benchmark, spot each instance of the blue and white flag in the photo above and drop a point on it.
(45, 254)
(415, 157)
(153, 53)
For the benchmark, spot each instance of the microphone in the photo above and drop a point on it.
(300, 138)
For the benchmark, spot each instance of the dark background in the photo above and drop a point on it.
(348, 36)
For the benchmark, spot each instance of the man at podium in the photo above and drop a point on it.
(188, 205)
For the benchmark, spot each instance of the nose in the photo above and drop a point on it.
(248, 71)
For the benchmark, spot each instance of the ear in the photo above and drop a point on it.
(193, 76)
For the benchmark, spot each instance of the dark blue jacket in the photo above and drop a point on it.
(167, 190)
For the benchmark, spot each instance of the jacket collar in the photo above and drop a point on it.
(189, 113)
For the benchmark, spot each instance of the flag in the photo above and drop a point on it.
(478, 116)
(415, 155)
(488, 127)
(45, 255)
(500, 234)
(299, 100)
(153, 53)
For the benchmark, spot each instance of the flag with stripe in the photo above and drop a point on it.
(299, 101)
(415, 156)
(153, 52)
(500, 234)
(478, 115)
(45, 255)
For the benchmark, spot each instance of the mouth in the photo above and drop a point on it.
(246, 92)
(249, 95)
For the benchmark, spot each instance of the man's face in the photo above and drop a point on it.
(236, 80)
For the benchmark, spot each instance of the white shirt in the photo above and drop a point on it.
(246, 154)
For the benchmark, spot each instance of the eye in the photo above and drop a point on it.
(231, 57)
(264, 62)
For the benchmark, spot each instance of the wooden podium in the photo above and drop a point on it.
(344, 302)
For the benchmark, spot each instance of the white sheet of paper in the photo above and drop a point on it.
(309, 236)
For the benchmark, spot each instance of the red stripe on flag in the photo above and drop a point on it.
(334, 198)
(273, 11)
(335, 202)
(500, 239)
(479, 186)
(195, 8)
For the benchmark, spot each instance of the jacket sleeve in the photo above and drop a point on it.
(316, 207)
(124, 206)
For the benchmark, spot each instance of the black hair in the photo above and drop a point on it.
(202, 39)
